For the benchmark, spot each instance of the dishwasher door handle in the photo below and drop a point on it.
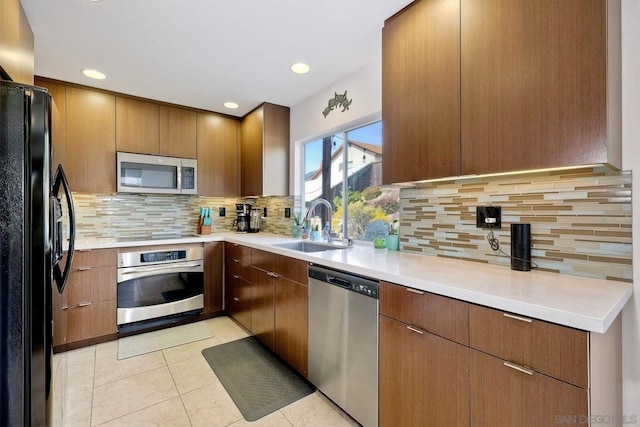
(338, 282)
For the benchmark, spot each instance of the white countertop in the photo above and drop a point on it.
(579, 302)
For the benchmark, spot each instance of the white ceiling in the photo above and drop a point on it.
(202, 53)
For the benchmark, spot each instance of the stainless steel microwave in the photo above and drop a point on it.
(143, 173)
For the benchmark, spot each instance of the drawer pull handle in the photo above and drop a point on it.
(272, 274)
(235, 276)
(411, 328)
(84, 268)
(513, 316)
(236, 299)
(84, 304)
(415, 291)
(66, 307)
(518, 368)
(236, 260)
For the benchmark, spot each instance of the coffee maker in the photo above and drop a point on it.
(243, 212)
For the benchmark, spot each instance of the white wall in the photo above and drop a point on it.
(364, 87)
(631, 161)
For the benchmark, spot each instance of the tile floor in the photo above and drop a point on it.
(171, 387)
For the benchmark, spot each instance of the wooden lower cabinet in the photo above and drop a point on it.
(238, 299)
(91, 320)
(213, 255)
(424, 379)
(87, 308)
(262, 313)
(504, 396)
(291, 317)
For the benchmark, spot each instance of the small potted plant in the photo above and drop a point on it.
(315, 233)
(392, 238)
(296, 228)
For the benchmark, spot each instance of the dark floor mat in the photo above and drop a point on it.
(258, 383)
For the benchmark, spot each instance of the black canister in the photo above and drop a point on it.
(521, 247)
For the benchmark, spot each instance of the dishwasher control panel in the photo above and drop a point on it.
(352, 282)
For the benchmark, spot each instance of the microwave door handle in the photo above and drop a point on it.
(59, 276)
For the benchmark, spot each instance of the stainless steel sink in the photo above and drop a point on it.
(309, 246)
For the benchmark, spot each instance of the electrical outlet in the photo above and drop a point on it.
(488, 216)
(287, 212)
(222, 211)
(264, 212)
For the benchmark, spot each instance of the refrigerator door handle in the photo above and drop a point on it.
(60, 276)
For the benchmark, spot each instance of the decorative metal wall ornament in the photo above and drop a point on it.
(337, 101)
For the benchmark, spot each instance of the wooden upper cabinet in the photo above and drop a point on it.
(177, 129)
(58, 94)
(264, 152)
(137, 126)
(421, 92)
(16, 43)
(90, 154)
(217, 154)
(539, 84)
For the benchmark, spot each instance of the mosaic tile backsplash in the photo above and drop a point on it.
(139, 215)
(580, 219)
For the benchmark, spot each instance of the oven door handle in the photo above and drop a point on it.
(125, 274)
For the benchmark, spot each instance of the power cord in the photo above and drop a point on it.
(495, 246)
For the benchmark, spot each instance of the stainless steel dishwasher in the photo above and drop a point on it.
(343, 341)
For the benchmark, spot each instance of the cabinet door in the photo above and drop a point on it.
(91, 284)
(238, 299)
(58, 119)
(91, 320)
(251, 147)
(504, 396)
(177, 132)
(137, 126)
(90, 155)
(533, 84)
(275, 154)
(262, 313)
(213, 277)
(218, 158)
(424, 379)
(421, 92)
(291, 323)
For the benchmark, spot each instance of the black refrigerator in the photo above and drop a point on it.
(32, 265)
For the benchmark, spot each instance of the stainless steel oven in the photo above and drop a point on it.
(159, 282)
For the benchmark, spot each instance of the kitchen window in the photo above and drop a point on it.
(362, 208)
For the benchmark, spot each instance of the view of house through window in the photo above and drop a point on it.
(345, 169)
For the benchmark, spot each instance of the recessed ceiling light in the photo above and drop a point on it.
(232, 105)
(300, 68)
(94, 74)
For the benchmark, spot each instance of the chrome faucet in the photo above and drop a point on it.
(313, 206)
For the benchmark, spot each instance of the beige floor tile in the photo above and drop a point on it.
(188, 351)
(192, 374)
(107, 349)
(316, 410)
(81, 355)
(78, 376)
(275, 419)
(76, 410)
(210, 406)
(110, 369)
(116, 399)
(225, 329)
(169, 413)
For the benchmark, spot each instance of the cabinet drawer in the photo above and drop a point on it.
(92, 320)
(237, 259)
(446, 317)
(291, 268)
(554, 350)
(239, 299)
(94, 258)
(90, 284)
(503, 395)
